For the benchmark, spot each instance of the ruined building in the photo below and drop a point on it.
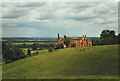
(78, 42)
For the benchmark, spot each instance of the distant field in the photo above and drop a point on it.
(98, 62)
(32, 42)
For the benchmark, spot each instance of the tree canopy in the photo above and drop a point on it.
(107, 37)
(10, 52)
(107, 33)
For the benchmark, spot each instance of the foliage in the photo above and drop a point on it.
(96, 42)
(109, 40)
(73, 45)
(35, 45)
(67, 41)
(59, 46)
(50, 49)
(107, 33)
(11, 53)
(118, 38)
(28, 51)
(107, 37)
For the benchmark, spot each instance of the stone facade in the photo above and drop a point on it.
(78, 42)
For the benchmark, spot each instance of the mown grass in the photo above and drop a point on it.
(98, 62)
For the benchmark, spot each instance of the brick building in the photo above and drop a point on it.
(78, 42)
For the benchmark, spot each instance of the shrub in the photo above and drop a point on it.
(60, 46)
(34, 46)
(73, 45)
(50, 50)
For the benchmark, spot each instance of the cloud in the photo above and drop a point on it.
(32, 4)
(23, 4)
(73, 18)
(16, 10)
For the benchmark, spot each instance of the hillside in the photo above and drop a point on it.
(90, 62)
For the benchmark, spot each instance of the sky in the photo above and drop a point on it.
(46, 19)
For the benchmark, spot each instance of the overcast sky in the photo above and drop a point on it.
(46, 19)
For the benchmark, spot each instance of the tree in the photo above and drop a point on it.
(108, 37)
(118, 40)
(119, 35)
(34, 46)
(107, 33)
(96, 42)
(67, 41)
(28, 51)
(112, 33)
(10, 52)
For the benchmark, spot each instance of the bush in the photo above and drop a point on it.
(73, 45)
(56, 47)
(109, 40)
(50, 50)
(34, 46)
(96, 42)
(60, 46)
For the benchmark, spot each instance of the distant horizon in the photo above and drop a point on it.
(41, 37)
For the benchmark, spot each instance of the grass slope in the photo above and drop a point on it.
(93, 62)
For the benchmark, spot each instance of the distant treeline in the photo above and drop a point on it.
(107, 37)
(35, 46)
(28, 39)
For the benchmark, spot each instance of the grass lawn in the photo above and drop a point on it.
(97, 62)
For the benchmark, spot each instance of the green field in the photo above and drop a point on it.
(97, 62)
(34, 42)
